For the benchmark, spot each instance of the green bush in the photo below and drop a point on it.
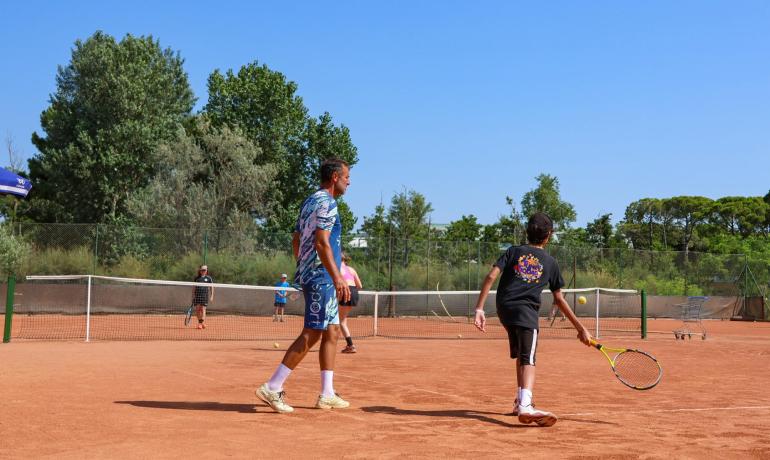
(227, 267)
(13, 251)
(56, 261)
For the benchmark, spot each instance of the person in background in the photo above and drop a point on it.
(354, 282)
(202, 295)
(280, 299)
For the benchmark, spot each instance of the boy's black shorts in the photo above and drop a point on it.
(523, 343)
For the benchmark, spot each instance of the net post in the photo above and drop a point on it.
(597, 313)
(88, 310)
(9, 308)
(376, 312)
(644, 314)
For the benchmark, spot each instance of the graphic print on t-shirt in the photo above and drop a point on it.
(529, 268)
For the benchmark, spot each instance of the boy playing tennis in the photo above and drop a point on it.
(527, 270)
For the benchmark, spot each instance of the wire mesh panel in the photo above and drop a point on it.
(450, 314)
(110, 308)
(57, 312)
(429, 314)
(606, 312)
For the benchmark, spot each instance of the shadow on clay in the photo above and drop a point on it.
(193, 405)
(469, 414)
(456, 413)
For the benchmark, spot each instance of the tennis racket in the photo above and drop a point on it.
(634, 368)
(294, 295)
(188, 315)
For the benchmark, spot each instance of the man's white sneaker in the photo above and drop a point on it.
(528, 414)
(331, 402)
(274, 399)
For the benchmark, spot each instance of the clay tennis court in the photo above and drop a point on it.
(410, 399)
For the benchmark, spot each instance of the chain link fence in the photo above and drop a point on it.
(252, 256)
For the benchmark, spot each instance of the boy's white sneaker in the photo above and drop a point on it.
(528, 414)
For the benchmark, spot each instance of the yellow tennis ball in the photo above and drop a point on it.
(275, 345)
(459, 336)
(582, 300)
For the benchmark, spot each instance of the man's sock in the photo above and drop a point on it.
(327, 383)
(349, 340)
(279, 377)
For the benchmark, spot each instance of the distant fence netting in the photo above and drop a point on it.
(252, 255)
(110, 308)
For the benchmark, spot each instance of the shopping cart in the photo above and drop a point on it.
(691, 314)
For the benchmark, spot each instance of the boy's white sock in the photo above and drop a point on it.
(279, 377)
(518, 394)
(526, 397)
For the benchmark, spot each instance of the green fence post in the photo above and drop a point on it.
(96, 250)
(205, 246)
(644, 314)
(9, 308)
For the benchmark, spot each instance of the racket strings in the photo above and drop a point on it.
(636, 369)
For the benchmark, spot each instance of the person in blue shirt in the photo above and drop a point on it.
(280, 299)
(317, 244)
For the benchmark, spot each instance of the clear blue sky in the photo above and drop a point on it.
(466, 102)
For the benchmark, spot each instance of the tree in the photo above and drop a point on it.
(599, 231)
(408, 214)
(114, 103)
(207, 179)
(509, 227)
(739, 215)
(406, 220)
(546, 198)
(264, 105)
(14, 155)
(688, 212)
(466, 228)
(640, 222)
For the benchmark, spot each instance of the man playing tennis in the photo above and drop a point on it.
(317, 248)
(527, 270)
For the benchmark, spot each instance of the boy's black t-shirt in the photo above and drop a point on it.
(527, 270)
(202, 292)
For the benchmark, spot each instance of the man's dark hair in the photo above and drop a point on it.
(331, 166)
(539, 227)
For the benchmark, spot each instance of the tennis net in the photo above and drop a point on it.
(86, 307)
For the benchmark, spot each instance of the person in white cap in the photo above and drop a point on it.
(280, 299)
(202, 295)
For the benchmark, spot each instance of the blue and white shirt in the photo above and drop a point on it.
(280, 295)
(319, 211)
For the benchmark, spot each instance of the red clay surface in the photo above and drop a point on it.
(410, 399)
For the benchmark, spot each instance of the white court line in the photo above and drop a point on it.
(200, 376)
(658, 411)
